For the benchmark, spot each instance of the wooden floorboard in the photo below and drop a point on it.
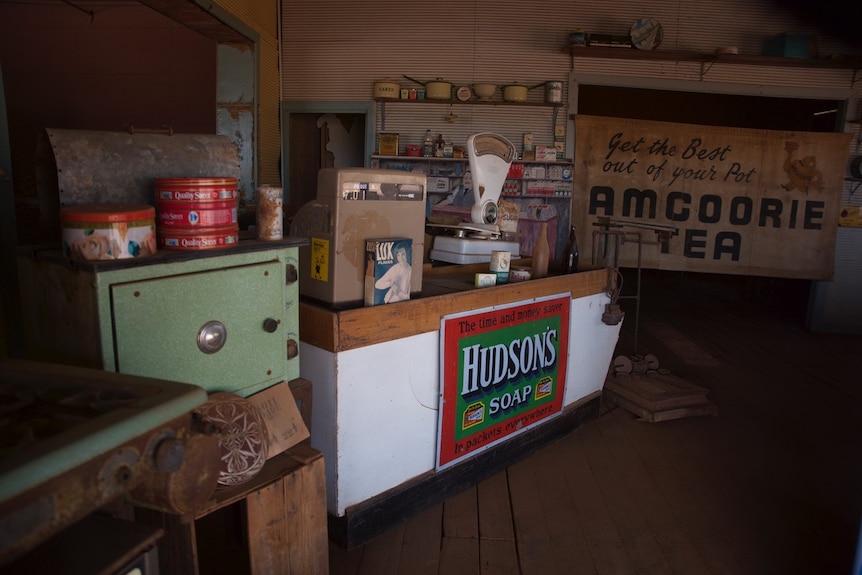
(343, 561)
(459, 548)
(382, 556)
(658, 540)
(458, 556)
(769, 485)
(497, 553)
(563, 522)
(495, 511)
(533, 538)
(603, 540)
(663, 479)
(625, 507)
(461, 515)
(420, 551)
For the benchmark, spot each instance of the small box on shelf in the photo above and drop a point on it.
(791, 46)
(534, 172)
(511, 188)
(555, 172)
(560, 148)
(437, 184)
(388, 145)
(546, 154)
(516, 171)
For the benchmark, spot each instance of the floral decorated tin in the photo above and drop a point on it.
(108, 231)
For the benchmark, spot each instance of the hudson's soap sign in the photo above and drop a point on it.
(728, 200)
(503, 371)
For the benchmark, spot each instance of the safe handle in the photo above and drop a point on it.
(212, 336)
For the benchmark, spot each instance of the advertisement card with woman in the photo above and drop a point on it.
(388, 270)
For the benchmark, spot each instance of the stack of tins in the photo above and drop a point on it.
(197, 213)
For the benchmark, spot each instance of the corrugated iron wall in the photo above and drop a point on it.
(262, 16)
(335, 50)
(338, 52)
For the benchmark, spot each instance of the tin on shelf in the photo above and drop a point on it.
(499, 265)
(197, 215)
(108, 231)
(269, 213)
(196, 190)
(519, 274)
(199, 239)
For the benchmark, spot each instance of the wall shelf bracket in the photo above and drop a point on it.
(705, 67)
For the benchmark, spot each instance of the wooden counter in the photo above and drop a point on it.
(445, 290)
(376, 375)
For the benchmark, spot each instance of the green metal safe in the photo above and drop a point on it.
(226, 320)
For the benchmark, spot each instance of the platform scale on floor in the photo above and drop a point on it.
(636, 382)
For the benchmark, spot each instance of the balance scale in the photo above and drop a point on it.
(472, 242)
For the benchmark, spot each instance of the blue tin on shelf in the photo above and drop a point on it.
(791, 46)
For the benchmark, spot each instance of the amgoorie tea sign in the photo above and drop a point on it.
(731, 200)
(503, 371)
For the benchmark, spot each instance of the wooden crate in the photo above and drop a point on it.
(280, 515)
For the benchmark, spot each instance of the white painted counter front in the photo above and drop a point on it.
(375, 408)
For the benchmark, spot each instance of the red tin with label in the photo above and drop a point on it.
(199, 239)
(196, 190)
(197, 215)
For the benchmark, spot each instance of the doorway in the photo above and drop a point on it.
(321, 136)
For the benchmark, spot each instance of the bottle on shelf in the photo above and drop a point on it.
(541, 253)
(569, 260)
(428, 145)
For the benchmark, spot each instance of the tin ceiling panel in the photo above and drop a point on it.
(337, 53)
(339, 58)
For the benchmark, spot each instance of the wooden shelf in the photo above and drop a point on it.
(417, 158)
(522, 183)
(565, 161)
(456, 102)
(842, 62)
